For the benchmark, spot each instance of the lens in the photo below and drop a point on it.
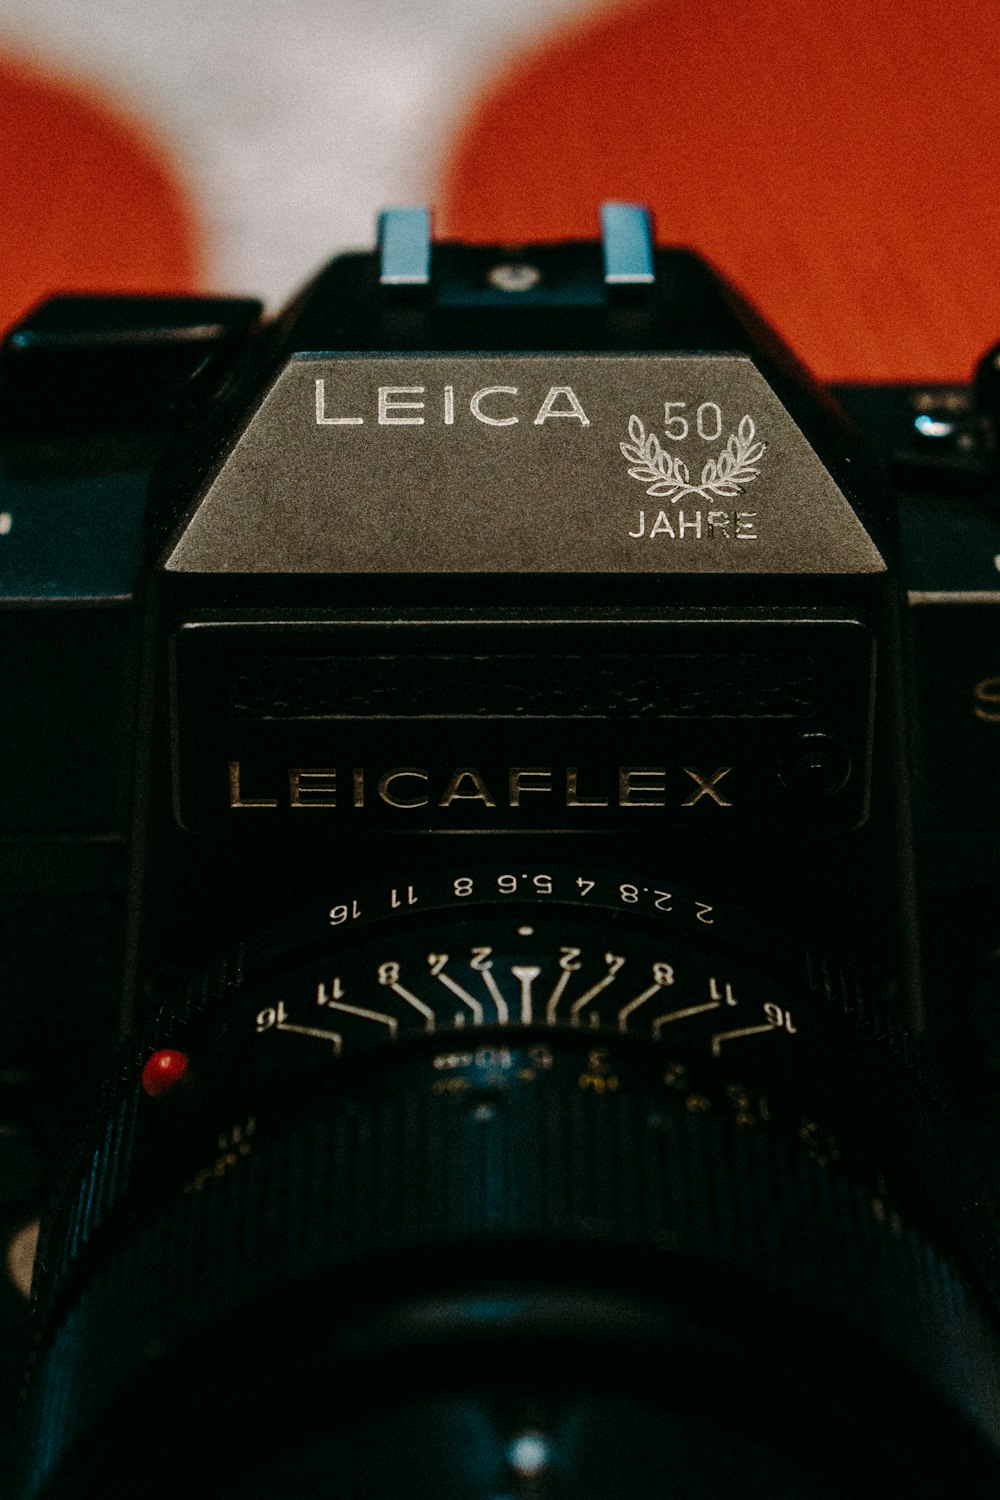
(518, 1182)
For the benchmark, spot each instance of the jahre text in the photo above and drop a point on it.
(697, 525)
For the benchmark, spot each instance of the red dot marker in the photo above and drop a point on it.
(163, 1072)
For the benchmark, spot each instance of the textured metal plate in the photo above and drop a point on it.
(443, 464)
(454, 725)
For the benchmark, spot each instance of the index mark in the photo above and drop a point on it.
(463, 995)
(682, 1015)
(731, 1036)
(526, 974)
(326, 1036)
(418, 1005)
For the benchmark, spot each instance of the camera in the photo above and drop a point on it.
(499, 828)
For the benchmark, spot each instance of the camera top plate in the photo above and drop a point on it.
(394, 464)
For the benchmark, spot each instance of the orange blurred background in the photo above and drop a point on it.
(837, 162)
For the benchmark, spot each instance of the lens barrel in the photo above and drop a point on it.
(512, 1201)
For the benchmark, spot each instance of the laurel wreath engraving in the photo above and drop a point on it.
(663, 474)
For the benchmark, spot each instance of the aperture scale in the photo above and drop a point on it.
(499, 973)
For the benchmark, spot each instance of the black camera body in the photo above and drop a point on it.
(480, 578)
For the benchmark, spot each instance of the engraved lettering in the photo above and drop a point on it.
(408, 787)
(475, 405)
(517, 782)
(312, 788)
(389, 778)
(479, 793)
(638, 786)
(549, 409)
(236, 798)
(988, 692)
(698, 525)
(675, 427)
(387, 406)
(322, 420)
(710, 437)
(707, 786)
(573, 798)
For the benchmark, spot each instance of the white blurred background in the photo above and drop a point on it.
(360, 94)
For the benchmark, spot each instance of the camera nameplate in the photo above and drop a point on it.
(472, 464)
(515, 724)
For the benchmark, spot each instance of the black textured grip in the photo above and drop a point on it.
(568, 1168)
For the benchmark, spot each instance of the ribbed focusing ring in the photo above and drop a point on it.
(365, 1181)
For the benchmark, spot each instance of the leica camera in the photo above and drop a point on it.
(499, 832)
